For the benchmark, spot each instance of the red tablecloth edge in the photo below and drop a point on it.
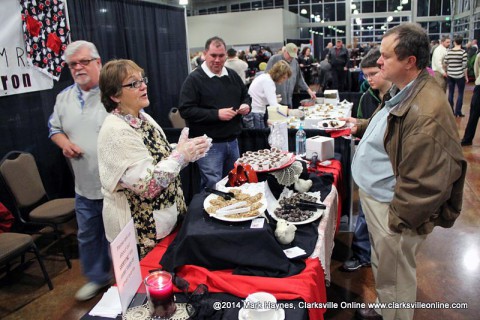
(311, 280)
(336, 169)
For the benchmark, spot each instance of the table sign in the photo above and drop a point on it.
(126, 264)
(294, 252)
(258, 223)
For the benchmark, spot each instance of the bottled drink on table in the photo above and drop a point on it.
(301, 141)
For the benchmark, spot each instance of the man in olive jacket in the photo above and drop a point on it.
(409, 167)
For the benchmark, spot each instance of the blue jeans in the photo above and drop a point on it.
(218, 162)
(92, 243)
(451, 90)
(361, 246)
(254, 121)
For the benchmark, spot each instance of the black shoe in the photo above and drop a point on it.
(461, 115)
(367, 314)
(466, 143)
(354, 264)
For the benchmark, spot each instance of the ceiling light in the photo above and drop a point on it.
(399, 8)
(303, 11)
(317, 19)
(183, 2)
(404, 1)
(353, 6)
(390, 19)
(355, 11)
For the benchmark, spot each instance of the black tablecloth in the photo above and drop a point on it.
(256, 139)
(217, 245)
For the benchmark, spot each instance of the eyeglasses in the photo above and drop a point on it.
(136, 84)
(370, 76)
(85, 62)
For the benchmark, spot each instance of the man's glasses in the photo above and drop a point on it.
(136, 84)
(85, 62)
(367, 76)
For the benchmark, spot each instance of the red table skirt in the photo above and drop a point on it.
(334, 168)
(309, 285)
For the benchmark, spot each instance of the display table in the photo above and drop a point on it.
(308, 285)
(220, 246)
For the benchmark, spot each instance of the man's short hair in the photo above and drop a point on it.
(231, 53)
(443, 38)
(217, 41)
(73, 47)
(370, 59)
(412, 40)
(458, 39)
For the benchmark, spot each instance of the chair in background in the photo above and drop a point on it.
(176, 119)
(14, 245)
(33, 208)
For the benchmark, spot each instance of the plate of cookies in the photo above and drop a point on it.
(332, 124)
(248, 203)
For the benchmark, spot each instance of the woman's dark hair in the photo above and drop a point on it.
(304, 50)
(412, 40)
(112, 76)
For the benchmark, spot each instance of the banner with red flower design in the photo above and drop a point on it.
(46, 34)
(17, 74)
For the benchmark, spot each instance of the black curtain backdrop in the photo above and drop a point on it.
(152, 35)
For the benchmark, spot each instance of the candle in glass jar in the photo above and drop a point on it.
(160, 295)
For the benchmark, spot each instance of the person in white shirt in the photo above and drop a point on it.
(237, 65)
(438, 65)
(263, 93)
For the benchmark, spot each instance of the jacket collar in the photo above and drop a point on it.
(415, 88)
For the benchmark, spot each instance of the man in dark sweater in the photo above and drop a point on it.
(212, 101)
(339, 58)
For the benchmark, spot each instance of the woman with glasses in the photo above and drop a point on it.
(139, 170)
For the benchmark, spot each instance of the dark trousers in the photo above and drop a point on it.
(474, 115)
(339, 76)
(361, 246)
(460, 83)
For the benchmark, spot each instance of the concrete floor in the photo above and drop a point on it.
(448, 266)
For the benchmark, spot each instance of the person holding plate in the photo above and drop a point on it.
(409, 168)
(139, 170)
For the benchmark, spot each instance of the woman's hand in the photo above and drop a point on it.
(193, 149)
